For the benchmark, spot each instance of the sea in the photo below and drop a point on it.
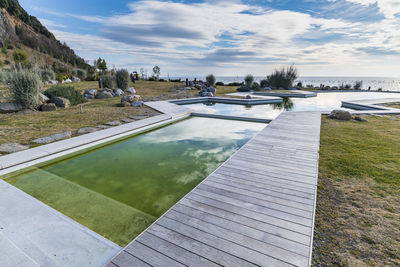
(384, 83)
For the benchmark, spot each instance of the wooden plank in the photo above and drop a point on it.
(150, 256)
(187, 242)
(248, 231)
(173, 251)
(248, 220)
(237, 250)
(126, 259)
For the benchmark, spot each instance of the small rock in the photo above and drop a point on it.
(87, 130)
(87, 96)
(361, 119)
(127, 120)
(248, 97)
(60, 102)
(92, 92)
(103, 126)
(340, 115)
(43, 99)
(113, 123)
(128, 98)
(48, 107)
(118, 92)
(124, 104)
(52, 138)
(12, 147)
(53, 82)
(104, 95)
(131, 90)
(10, 107)
(138, 117)
(187, 88)
(67, 81)
(137, 103)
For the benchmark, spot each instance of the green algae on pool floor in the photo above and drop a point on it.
(120, 189)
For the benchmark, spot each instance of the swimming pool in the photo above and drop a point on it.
(324, 102)
(120, 189)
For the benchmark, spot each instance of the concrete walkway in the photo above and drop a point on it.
(257, 209)
(33, 234)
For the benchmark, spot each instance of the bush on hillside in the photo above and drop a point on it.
(107, 81)
(283, 78)
(67, 92)
(25, 88)
(20, 56)
(47, 75)
(211, 79)
(122, 79)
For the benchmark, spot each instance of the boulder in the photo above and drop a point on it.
(92, 92)
(212, 90)
(60, 102)
(67, 81)
(103, 126)
(48, 107)
(138, 117)
(198, 86)
(118, 92)
(76, 79)
(340, 115)
(43, 99)
(127, 120)
(10, 107)
(137, 103)
(12, 147)
(87, 130)
(131, 90)
(53, 82)
(361, 119)
(113, 123)
(124, 104)
(87, 96)
(111, 91)
(104, 95)
(52, 138)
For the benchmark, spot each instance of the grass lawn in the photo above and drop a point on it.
(358, 207)
(25, 127)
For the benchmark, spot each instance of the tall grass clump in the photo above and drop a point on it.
(358, 85)
(122, 79)
(283, 78)
(211, 79)
(47, 75)
(25, 88)
(106, 81)
(68, 92)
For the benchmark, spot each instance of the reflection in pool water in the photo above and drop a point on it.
(322, 102)
(141, 176)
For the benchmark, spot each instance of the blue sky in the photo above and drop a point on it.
(322, 38)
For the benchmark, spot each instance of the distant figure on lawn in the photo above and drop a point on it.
(132, 78)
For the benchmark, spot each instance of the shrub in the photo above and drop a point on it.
(211, 79)
(248, 80)
(7, 62)
(255, 86)
(175, 81)
(107, 81)
(67, 92)
(25, 88)
(283, 78)
(4, 76)
(220, 84)
(235, 84)
(300, 84)
(358, 85)
(4, 50)
(264, 83)
(82, 74)
(20, 56)
(47, 75)
(122, 79)
(244, 88)
(152, 79)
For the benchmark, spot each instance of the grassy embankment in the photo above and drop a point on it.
(25, 127)
(358, 207)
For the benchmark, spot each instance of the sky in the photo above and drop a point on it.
(231, 38)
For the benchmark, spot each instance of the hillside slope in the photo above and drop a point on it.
(18, 28)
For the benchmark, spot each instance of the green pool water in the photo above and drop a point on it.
(120, 189)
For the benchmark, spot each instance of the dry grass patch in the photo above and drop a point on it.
(358, 207)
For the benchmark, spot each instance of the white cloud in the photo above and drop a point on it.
(190, 38)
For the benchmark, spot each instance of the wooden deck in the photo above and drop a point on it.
(257, 209)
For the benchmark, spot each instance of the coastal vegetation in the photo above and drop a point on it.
(211, 79)
(75, 97)
(25, 88)
(358, 206)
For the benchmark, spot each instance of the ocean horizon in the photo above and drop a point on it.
(384, 83)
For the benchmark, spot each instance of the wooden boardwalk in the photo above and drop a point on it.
(256, 209)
